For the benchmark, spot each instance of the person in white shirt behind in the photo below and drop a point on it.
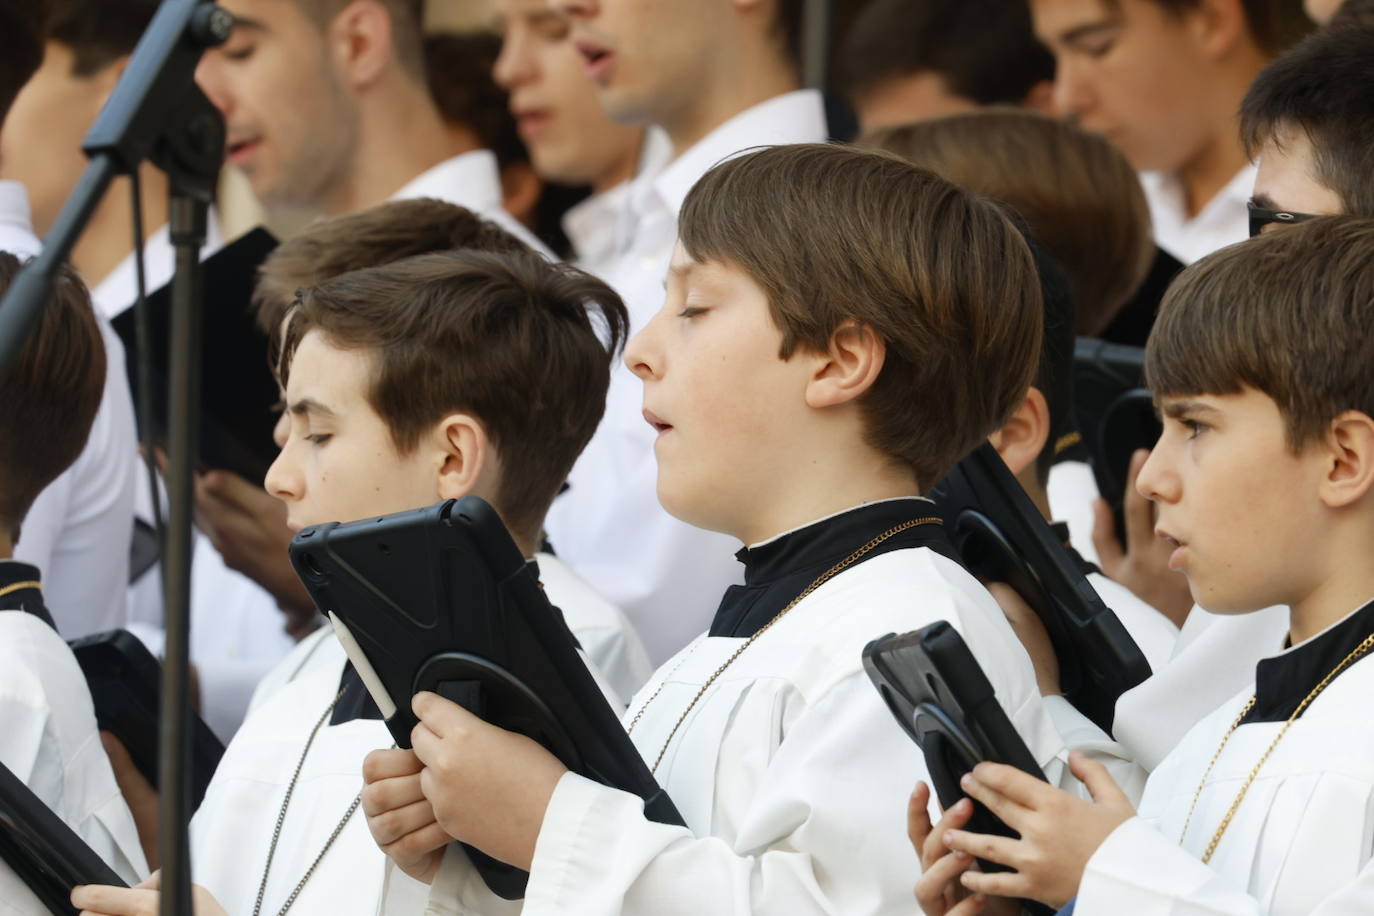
(571, 140)
(1162, 80)
(717, 77)
(49, 739)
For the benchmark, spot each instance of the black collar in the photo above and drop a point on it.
(28, 598)
(779, 570)
(1284, 681)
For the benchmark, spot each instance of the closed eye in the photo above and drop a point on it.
(691, 311)
(319, 438)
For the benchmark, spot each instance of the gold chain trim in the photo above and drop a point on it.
(1359, 650)
(821, 580)
(19, 587)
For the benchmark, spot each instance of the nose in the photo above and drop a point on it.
(283, 479)
(1071, 96)
(210, 78)
(514, 65)
(643, 354)
(282, 430)
(1157, 481)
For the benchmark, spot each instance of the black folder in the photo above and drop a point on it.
(1001, 536)
(238, 393)
(44, 852)
(126, 686)
(441, 599)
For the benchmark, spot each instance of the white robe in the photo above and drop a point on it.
(49, 740)
(231, 832)
(1300, 843)
(790, 772)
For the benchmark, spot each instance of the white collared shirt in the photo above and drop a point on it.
(471, 180)
(79, 527)
(591, 226)
(665, 574)
(1224, 220)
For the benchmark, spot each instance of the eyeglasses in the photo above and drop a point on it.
(1263, 216)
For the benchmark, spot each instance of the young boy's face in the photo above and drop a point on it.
(290, 124)
(339, 462)
(1127, 71)
(730, 414)
(1235, 499)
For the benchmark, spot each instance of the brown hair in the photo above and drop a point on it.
(1321, 88)
(407, 27)
(1078, 195)
(833, 234)
(50, 395)
(370, 238)
(98, 32)
(510, 338)
(458, 68)
(22, 50)
(1289, 313)
(1273, 24)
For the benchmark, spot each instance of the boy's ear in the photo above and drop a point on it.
(465, 452)
(1349, 444)
(1022, 438)
(849, 366)
(359, 42)
(1218, 26)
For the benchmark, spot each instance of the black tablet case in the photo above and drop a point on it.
(1001, 536)
(44, 852)
(943, 700)
(441, 599)
(238, 394)
(126, 686)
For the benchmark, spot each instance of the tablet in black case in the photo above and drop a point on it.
(441, 599)
(44, 852)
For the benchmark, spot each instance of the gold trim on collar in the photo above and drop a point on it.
(20, 586)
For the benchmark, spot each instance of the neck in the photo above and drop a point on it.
(738, 82)
(1221, 155)
(381, 166)
(1350, 588)
(1039, 495)
(6, 547)
(622, 169)
(108, 238)
(828, 490)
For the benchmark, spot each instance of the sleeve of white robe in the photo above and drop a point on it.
(1081, 734)
(1140, 871)
(825, 832)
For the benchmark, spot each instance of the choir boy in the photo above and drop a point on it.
(840, 328)
(1264, 478)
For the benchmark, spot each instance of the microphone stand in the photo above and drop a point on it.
(156, 112)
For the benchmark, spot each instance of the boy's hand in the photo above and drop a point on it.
(1029, 628)
(142, 900)
(489, 787)
(1143, 565)
(938, 891)
(399, 816)
(247, 525)
(1059, 833)
(139, 794)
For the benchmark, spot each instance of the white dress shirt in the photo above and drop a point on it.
(1300, 840)
(790, 772)
(592, 225)
(471, 180)
(50, 742)
(1223, 220)
(609, 526)
(79, 527)
(231, 831)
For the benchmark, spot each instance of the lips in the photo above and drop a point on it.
(597, 59)
(532, 122)
(1175, 558)
(239, 150)
(653, 420)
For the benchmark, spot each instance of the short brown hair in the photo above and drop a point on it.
(1273, 24)
(407, 27)
(458, 68)
(1079, 196)
(834, 234)
(50, 395)
(21, 41)
(98, 32)
(1321, 88)
(379, 235)
(1289, 313)
(510, 338)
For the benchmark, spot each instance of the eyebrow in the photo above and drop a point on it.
(1177, 409)
(249, 23)
(1088, 30)
(1264, 202)
(310, 406)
